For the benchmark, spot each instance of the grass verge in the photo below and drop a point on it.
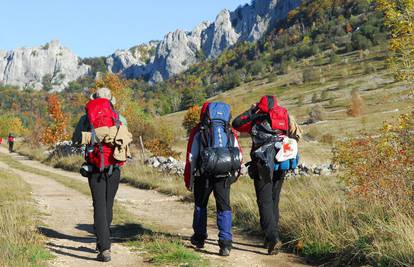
(20, 242)
(160, 248)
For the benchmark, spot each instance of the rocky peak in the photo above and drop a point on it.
(29, 67)
(178, 50)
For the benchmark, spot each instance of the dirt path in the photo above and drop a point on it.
(70, 237)
(166, 213)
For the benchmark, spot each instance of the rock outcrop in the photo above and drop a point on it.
(180, 49)
(29, 67)
(155, 61)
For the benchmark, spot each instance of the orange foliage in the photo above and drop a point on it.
(380, 169)
(56, 131)
(192, 117)
(355, 110)
(118, 87)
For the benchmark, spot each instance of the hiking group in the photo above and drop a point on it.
(213, 163)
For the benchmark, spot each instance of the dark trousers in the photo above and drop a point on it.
(11, 144)
(221, 190)
(268, 196)
(103, 188)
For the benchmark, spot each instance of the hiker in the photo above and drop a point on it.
(1, 140)
(104, 133)
(213, 164)
(10, 141)
(269, 126)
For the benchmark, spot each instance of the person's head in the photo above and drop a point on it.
(104, 93)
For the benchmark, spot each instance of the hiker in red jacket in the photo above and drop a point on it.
(213, 164)
(267, 123)
(102, 168)
(10, 141)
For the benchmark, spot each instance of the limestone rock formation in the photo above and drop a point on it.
(180, 49)
(29, 67)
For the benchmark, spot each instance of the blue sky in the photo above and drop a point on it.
(99, 27)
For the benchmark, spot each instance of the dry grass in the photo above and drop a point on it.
(20, 242)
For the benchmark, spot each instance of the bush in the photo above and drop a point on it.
(316, 114)
(355, 109)
(328, 139)
(360, 42)
(192, 117)
(257, 67)
(380, 169)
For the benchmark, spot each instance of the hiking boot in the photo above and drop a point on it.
(104, 256)
(224, 251)
(199, 243)
(225, 247)
(273, 247)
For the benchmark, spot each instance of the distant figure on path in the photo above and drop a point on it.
(10, 141)
(213, 164)
(268, 125)
(105, 134)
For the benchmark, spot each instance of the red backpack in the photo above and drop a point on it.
(101, 113)
(278, 115)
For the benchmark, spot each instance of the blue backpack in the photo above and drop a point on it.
(219, 157)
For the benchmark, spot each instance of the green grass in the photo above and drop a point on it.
(20, 242)
(161, 248)
(166, 250)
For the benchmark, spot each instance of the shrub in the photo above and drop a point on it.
(328, 139)
(315, 98)
(380, 169)
(316, 114)
(355, 110)
(192, 117)
(160, 148)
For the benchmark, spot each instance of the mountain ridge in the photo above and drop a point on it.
(154, 61)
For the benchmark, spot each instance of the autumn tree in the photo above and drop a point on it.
(399, 18)
(119, 88)
(192, 117)
(11, 124)
(56, 131)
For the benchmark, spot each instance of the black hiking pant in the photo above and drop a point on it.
(11, 144)
(103, 188)
(268, 196)
(203, 187)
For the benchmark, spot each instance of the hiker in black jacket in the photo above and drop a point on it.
(263, 128)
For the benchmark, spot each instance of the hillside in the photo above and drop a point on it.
(329, 86)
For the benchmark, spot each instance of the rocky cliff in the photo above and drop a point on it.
(155, 61)
(180, 49)
(30, 67)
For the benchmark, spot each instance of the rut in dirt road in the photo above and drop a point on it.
(169, 215)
